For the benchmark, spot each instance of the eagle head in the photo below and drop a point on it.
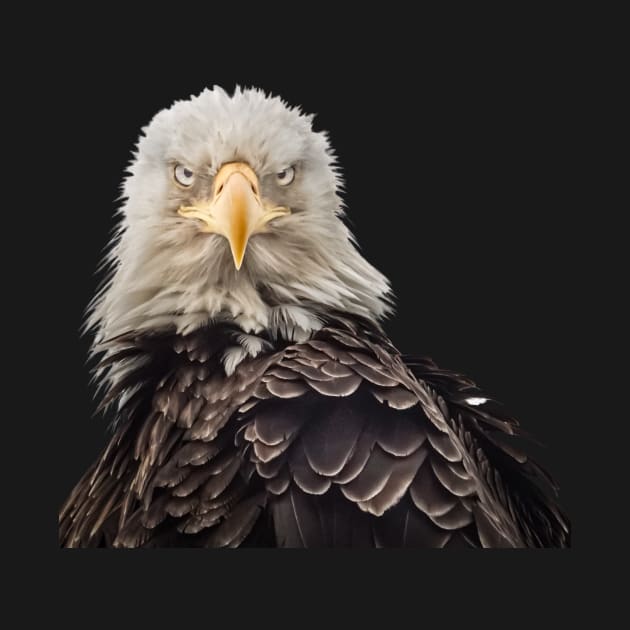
(232, 212)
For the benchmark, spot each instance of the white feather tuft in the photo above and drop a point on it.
(476, 401)
(232, 357)
(165, 273)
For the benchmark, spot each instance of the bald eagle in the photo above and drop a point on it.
(257, 399)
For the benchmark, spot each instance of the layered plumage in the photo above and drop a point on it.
(256, 408)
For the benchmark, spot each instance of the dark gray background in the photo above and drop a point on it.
(453, 160)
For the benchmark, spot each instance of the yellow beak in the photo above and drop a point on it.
(236, 210)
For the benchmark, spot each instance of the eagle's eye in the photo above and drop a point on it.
(183, 175)
(285, 176)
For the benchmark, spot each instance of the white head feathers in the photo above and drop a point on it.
(166, 273)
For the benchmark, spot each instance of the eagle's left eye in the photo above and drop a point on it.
(183, 175)
(285, 176)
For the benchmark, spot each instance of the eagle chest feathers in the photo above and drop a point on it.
(330, 442)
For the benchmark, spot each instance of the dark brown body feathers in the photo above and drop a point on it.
(337, 441)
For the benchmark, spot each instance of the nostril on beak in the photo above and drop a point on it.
(220, 189)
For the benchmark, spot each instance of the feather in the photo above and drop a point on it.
(470, 535)
(359, 457)
(121, 461)
(335, 369)
(285, 524)
(304, 476)
(141, 439)
(402, 475)
(178, 506)
(330, 440)
(268, 470)
(250, 433)
(168, 446)
(347, 340)
(297, 522)
(341, 521)
(283, 373)
(185, 377)
(324, 347)
(176, 402)
(106, 511)
(444, 445)
(372, 479)
(429, 495)
(366, 360)
(160, 430)
(235, 528)
(307, 369)
(266, 453)
(310, 482)
(458, 542)
(232, 494)
(458, 469)
(310, 356)
(374, 376)
(396, 397)
(195, 479)
(337, 387)
(277, 424)
(286, 389)
(489, 535)
(456, 518)
(248, 406)
(190, 412)
(262, 392)
(509, 449)
(170, 475)
(156, 512)
(220, 481)
(127, 507)
(133, 534)
(404, 526)
(453, 482)
(279, 484)
(223, 461)
(400, 435)
(195, 524)
(506, 425)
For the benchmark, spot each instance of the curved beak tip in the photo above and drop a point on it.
(238, 260)
(238, 246)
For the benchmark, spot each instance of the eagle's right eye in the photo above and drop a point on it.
(183, 175)
(285, 176)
